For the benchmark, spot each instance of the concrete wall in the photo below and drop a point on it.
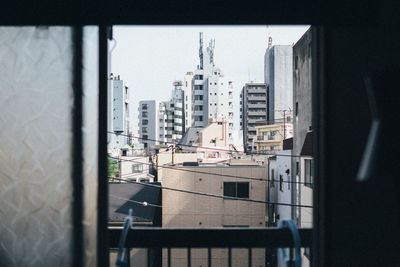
(188, 210)
(301, 96)
(153, 122)
(278, 69)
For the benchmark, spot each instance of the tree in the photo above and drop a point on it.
(112, 169)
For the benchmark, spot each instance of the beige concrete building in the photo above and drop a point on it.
(190, 210)
(270, 137)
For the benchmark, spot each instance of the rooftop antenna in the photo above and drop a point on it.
(269, 37)
(201, 50)
(212, 46)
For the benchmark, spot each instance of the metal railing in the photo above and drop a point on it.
(156, 238)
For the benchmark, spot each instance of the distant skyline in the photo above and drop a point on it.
(150, 58)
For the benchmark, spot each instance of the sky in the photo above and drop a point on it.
(150, 58)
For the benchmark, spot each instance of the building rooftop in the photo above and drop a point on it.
(118, 206)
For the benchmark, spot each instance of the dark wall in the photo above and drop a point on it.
(361, 218)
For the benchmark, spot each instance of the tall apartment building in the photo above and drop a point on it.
(174, 114)
(162, 121)
(211, 93)
(278, 77)
(118, 127)
(151, 122)
(253, 108)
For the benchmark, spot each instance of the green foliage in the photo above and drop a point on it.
(112, 169)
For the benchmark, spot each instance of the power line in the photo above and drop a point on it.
(258, 152)
(209, 173)
(212, 195)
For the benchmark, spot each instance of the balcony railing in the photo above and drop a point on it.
(156, 238)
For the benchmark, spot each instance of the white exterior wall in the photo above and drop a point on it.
(135, 169)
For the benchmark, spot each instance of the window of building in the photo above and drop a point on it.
(144, 129)
(210, 104)
(308, 176)
(297, 108)
(144, 114)
(236, 189)
(198, 97)
(144, 137)
(144, 106)
(297, 168)
(280, 183)
(145, 145)
(137, 168)
(210, 93)
(215, 94)
(222, 93)
(215, 83)
(145, 122)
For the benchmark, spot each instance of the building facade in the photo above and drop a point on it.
(278, 77)
(211, 93)
(151, 123)
(187, 210)
(253, 108)
(270, 137)
(118, 127)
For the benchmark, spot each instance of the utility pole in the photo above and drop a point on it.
(284, 124)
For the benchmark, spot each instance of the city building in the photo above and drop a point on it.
(135, 168)
(212, 92)
(253, 108)
(302, 138)
(152, 123)
(118, 127)
(175, 121)
(211, 143)
(280, 190)
(182, 209)
(187, 88)
(270, 137)
(278, 77)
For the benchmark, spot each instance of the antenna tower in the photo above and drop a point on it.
(201, 50)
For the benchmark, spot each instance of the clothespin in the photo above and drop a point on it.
(290, 224)
(122, 257)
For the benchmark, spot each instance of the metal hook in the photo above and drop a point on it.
(296, 238)
(122, 257)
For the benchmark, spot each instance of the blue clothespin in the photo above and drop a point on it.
(290, 224)
(122, 257)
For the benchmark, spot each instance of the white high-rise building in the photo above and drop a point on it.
(211, 93)
(278, 76)
(118, 127)
(162, 121)
(174, 114)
